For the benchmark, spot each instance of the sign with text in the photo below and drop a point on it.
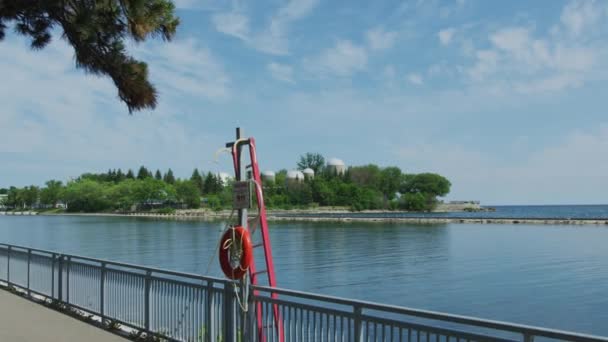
(241, 195)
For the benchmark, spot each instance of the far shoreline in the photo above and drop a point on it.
(309, 216)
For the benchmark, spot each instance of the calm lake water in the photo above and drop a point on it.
(552, 276)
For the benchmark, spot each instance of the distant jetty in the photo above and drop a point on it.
(339, 216)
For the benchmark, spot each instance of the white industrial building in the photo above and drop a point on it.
(308, 173)
(336, 166)
(268, 176)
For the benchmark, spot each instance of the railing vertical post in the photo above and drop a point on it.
(228, 313)
(8, 266)
(53, 275)
(210, 318)
(29, 259)
(60, 279)
(67, 279)
(358, 326)
(147, 285)
(101, 291)
(528, 337)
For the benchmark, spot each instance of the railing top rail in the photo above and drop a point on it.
(127, 265)
(460, 319)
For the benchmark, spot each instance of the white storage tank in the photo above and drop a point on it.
(336, 166)
(294, 176)
(308, 173)
(268, 176)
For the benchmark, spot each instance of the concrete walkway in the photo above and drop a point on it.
(24, 321)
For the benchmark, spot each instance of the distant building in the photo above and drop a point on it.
(308, 173)
(268, 176)
(336, 166)
(294, 176)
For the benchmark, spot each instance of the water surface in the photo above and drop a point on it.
(552, 276)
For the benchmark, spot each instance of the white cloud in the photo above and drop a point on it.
(233, 24)
(564, 172)
(184, 66)
(343, 59)
(415, 79)
(379, 39)
(579, 15)
(486, 63)
(274, 38)
(528, 62)
(511, 39)
(281, 72)
(67, 122)
(445, 35)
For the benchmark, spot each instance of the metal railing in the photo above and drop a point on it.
(186, 307)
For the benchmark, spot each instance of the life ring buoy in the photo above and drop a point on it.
(235, 244)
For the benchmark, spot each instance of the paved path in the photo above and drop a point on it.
(24, 321)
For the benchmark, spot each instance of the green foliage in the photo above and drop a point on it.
(427, 183)
(130, 175)
(98, 30)
(158, 176)
(390, 180)
(3, 191)
(365, 176)
(50, 194)
(188, 192)
(143, 173)
(315, 161)
(197, 179)
(86, 195)
(212, 184)
(365, 187)
(168, 177)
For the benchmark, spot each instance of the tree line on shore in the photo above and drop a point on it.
(366, 187)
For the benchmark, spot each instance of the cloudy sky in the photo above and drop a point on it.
(508, 99)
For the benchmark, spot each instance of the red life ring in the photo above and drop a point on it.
(235, 240)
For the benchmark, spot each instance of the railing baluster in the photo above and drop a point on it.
(102, 280)
(357, 311)
(29, 259)
(147, 284)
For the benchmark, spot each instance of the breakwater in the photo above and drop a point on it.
(285, 216)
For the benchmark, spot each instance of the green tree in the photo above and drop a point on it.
(157, 175)
(143, 173)
(315, 161)
(12, 199)
(50, 194)
(150, 190)
(122, 195)
(189, 193)
(212, 184)
(98, 30)
(390, 180)
(169, 178)
(365, 176)
(3, 191)
(197, 179)
(321, 192)
(120, 176)
(29, 195)
(130, 174)
(85, 195)
(414, 202)
(427, 183)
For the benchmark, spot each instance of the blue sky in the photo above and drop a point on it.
(505, 98)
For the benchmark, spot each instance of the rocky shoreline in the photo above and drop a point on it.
(308, 216)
